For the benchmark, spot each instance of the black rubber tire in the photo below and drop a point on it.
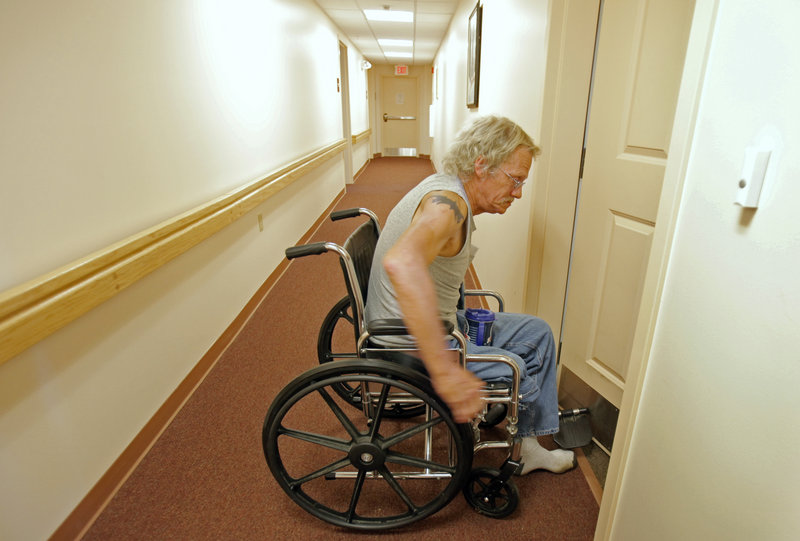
(338, 326)
(488, 496)
(308, 437)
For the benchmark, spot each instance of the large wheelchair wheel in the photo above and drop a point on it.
(360, 471)
(337, 341)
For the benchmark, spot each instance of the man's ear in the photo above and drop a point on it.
(481, 166)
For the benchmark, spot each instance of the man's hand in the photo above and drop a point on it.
(460, 389)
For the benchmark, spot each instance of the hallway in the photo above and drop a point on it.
(157, 158)
(206, 477)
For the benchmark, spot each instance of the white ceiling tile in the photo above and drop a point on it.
(431, 20)
(425, 6)
(434, 18)
(337, 4)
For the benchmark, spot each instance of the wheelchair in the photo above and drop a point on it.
(362, 441)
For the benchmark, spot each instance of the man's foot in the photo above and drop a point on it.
(536, 457)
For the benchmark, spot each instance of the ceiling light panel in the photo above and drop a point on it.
(384, 42)
(388, 15)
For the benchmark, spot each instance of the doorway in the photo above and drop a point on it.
(566, 90)
(614, 71)
(400, 106)
(639, 56)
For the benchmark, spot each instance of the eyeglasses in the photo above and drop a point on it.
(517, 183)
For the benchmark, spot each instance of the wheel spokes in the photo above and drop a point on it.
(343, 418)
(351, 511)
(318, 439)
(389, 478)
(332, 467)
(344, 315)
(412, 431)
(364, 468)
(378, 413)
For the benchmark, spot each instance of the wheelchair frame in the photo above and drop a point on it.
(490, 492)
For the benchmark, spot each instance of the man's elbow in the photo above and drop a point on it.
(398, 264)
(393, 264)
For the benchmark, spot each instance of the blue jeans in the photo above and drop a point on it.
(527, 340)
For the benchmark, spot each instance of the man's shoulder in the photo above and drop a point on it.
(444, 199)
(441, 183)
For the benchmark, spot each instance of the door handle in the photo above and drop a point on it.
(387, 117)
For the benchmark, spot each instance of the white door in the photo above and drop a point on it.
(639, 58)
(400, 112)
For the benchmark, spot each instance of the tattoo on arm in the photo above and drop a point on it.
(442, 200)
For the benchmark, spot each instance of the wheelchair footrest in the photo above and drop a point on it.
(509, 468)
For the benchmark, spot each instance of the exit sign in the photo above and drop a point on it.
(401, 70)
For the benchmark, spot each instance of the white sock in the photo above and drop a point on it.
(536, 457)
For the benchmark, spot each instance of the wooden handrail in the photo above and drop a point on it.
(357, 138)
(34, 310)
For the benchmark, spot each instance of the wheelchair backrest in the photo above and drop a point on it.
(361, 247)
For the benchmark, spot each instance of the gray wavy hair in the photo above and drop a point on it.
(493, 137)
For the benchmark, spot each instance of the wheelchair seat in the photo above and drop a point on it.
(362, 440)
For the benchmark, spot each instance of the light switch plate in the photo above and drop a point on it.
(751, 180)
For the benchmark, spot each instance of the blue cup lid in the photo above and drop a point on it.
(479, 314)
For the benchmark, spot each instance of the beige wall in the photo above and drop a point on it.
(116, 117)
(712, 451)
(512, 73)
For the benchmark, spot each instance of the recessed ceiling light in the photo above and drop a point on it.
(395, 42)
(389, 15)
(398, 54)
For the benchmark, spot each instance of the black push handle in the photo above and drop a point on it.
(346, 213)
(314, 248)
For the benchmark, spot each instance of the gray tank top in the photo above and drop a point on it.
(447, 272)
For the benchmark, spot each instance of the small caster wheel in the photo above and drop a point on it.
(488, 495)
(495, 415)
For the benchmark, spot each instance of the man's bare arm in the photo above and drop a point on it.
(436, 229)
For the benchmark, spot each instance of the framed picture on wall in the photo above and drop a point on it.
(474, 55)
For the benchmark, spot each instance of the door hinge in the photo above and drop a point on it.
(583, 159)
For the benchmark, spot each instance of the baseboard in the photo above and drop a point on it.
(86, 512)
(591, 479)
(363, 168)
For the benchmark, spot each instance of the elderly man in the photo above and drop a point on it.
(421, 260)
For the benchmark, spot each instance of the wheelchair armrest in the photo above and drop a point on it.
(487, 293)
(395, 327)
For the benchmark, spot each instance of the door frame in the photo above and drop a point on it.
(554, 190)
(418, 96)
(344, 90)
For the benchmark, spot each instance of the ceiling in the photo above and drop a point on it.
(431, 20)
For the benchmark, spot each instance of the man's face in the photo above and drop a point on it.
(503, 184)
